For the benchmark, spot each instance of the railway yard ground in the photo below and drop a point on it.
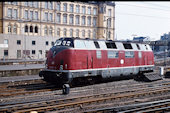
(30, 94)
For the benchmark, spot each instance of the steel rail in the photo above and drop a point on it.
(90, 101)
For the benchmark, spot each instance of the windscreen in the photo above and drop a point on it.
(64, 42)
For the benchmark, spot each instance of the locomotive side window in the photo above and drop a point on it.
(96, 44)
(140, 54)
(112, 54)
(138, 46)
(127, 46)
(129, 54)
(111, 45)
(98, 54)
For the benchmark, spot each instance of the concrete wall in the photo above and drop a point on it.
(26, 44)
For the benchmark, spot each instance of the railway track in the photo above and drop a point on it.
(24, 87)
(147, 107)
(110, 95)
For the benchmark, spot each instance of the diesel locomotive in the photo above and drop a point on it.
(73, 60)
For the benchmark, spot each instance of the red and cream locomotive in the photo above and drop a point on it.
(75, 59)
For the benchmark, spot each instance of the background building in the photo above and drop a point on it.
(28, 29)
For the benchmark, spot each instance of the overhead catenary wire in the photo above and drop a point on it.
(144, 7)
(150, 16)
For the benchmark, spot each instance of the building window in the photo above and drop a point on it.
(94, 11)
(36, 4)
(83, 20)
(52, 43)
(109, 12)
(89, 10)
(94, 21)
(50, 31)
(18, 42)
(94, 34)
(89, 21)
(31, 15)
(77, 33)
(40, 51)
(33, 52)
(5, 41)
(46, 16)
(15, 3)
(109, 22)
(65, 7)
(31, 29)
(77, 19)
(58, 32)
(65, 32)
(36, 15)
(83, 33)
(65, 18)
(9, 28)
(46, 43)
(10, 3)
(31, 4)
(109, 35)
(36, 29)
(71, 32)
(51, 17)
(58, 7)
(77, 9)
(15, 29)
(26, 28)
(10, 13)
(58, 18)
(5, 52)
(83, 9)
(89, 33)
(15, 13)
(71, 19)
(33, 42)
(26, 14)
(50, 5)
(71, 8)
(45, 31)
(26, 3)
(46, 5)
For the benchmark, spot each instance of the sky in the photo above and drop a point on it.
(141, 18)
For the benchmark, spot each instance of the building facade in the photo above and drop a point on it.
(28, 29)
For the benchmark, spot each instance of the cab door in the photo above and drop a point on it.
(89, 59)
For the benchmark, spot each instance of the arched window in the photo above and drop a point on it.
(15, 29)
(36, 29)
(83, 33)
(89, 33)
(50, 31)
(77, 33)
(94, 34)
(26, 28)
(109, 35)
(71, 32)
(58, 32)
(31, 29)
(45, 31)
(65, 32)
(9, 28)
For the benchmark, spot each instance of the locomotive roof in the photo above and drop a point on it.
(78, 38)
(101, 44)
